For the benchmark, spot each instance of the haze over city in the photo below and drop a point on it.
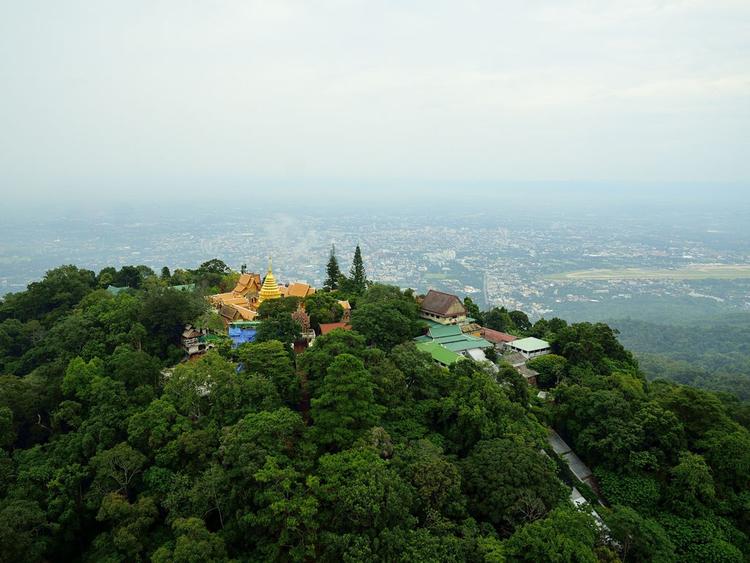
(490, 133)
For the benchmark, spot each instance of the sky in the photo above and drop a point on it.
(159, 100)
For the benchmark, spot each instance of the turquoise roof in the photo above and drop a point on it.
(116, 290)
(445, 330)
(452, 339)
(185, 287)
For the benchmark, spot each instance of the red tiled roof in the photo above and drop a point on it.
(496, 337)
(325, 328)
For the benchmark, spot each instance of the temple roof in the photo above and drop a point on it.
(247, 282)
(298, 289)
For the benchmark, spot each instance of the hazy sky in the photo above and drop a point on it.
(101, 98)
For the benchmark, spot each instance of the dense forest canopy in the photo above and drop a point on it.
(712, 354)
(358, 449)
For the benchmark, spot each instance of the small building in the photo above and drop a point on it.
(440, 354)
(197, 341)
(530, 347)
(325, 328)
(528, 374)
(518, 361)
(499, 339)
(514, 358)
(443, 308)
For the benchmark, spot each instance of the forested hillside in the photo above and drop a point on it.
(359, 449)
(711, 354)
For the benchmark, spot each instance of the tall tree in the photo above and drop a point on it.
(520, 320)
(365, 507)
(566, 536)
(357, 272)
(333, 272)
(639, 538)
(472, 309)
(509, 483)
(346, 407)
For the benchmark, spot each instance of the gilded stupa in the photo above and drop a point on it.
(270, 289)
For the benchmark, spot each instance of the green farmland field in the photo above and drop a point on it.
(693, 272)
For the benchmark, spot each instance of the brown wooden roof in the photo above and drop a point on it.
(444, 304)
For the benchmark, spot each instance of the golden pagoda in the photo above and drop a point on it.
(269, 290)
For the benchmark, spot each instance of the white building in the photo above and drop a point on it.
(529, 347)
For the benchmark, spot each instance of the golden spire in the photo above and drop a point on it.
(270, 289)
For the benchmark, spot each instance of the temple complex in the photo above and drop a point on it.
(241, 304)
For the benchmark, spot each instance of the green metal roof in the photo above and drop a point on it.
(530, 344)
(453, 338)
(469, 343)
(445, 330)
(209, 338)
(439, 353)
(423, 338)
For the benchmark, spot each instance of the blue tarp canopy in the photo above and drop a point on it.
(241, 335)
